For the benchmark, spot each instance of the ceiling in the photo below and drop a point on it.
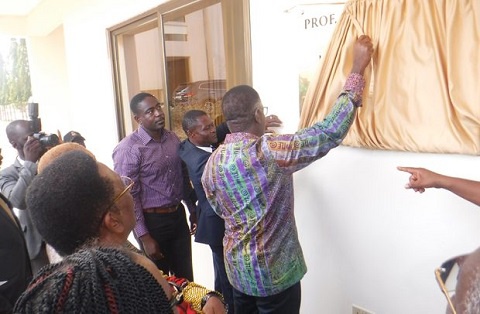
(24, 7)
(17, 7)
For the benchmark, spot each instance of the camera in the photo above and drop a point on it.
(46, 140)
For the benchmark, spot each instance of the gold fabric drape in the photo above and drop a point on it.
(423, 85)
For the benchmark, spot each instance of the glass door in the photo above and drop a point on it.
(179, 53)
(137, 62)
(195, 61)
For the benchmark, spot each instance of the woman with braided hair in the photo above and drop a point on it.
(78, 203)
(94, 280)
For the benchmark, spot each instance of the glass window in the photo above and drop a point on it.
(196, 69)
(177, 52)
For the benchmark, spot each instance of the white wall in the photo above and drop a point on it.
(366, 240)
(48, 72)
(369, 241)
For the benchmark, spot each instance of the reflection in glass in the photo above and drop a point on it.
(195, 62)
(137, 66)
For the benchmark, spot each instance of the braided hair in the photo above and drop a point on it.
(94, 280)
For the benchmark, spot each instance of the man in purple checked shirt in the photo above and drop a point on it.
(149, 156)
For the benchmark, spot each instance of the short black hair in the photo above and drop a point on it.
(237, 106)
(137, 99)
(189, 120)
(67, 201)
(94, 280)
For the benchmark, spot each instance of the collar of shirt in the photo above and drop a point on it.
(20, 160)
(240, 136)
(146, 138)
(208, 149)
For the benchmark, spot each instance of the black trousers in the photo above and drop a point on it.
(222, 284)
(285, 302)
(173, 236)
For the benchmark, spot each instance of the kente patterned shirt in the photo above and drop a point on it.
(248, 181)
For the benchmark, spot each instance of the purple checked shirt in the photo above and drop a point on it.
(157, 170)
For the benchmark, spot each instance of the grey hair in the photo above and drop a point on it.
(190, 119)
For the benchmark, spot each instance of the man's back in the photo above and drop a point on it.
(259, 215)
(248, 181)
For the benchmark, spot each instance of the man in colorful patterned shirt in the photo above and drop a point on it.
(248, 181)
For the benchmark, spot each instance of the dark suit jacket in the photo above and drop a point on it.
(15, 271)
(14, 181)
(210, 227)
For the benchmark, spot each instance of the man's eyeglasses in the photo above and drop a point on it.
(128, 185)
(446, 276)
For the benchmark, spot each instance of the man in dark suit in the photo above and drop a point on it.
(195, 152)
(15, 271)
(14, 181)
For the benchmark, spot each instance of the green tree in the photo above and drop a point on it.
(15, 85)
(3, 82)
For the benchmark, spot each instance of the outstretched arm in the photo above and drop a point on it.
(421, 179)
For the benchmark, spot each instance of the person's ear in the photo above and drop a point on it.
(192, 132)
(258, 115)
(113, 223)
(137, 119)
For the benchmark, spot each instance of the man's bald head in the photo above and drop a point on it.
(59, 150)
(18, 129)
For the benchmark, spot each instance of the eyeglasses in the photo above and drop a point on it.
(128, 185)
(265, 110)
(446, 276)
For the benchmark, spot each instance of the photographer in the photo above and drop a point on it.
(15, 180)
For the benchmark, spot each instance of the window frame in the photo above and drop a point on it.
(237, 49)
